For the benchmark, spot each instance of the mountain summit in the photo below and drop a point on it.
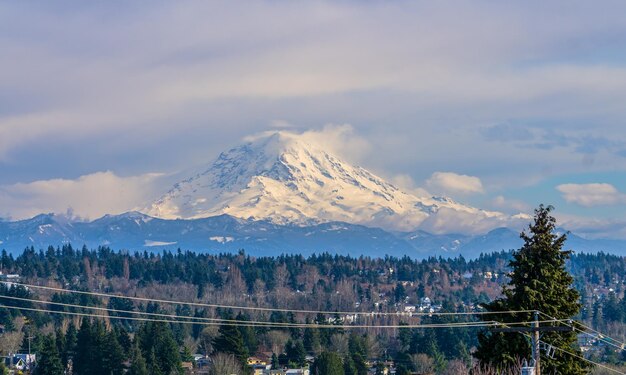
(284, 178)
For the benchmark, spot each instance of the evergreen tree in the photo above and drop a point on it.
(186, 355)
(137, 362)
(539, 281)
(295, 352)
(612, 309)
(275, 364)
(327, 363)
(153, 365)
(49, 359)
(112, 355)
(248, 334)
(311, 340)
(70, 344)
(349, 368)
(85, 350)
(60, 343)
(230, 341)
(158, 345)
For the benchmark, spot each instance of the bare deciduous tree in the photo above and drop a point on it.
(423, 363)
(225, 364)
(456, 367)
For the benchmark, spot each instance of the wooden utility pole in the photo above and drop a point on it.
(536, 354)
(535, 329)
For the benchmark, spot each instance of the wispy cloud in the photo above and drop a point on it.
(453, 183)
(589, 195)
(89, 196)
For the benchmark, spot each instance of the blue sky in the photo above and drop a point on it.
(502, 105)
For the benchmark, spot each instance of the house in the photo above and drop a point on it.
(203, 362)
(291, 371)
(196, 357)
(298, 371)
(187, 367)
(256, 361)
(9, 279)
(258, 369)
(20, 361)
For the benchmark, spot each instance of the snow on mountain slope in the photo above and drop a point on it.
(283, 178)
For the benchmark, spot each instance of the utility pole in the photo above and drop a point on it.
(534, 330)
(536, 354)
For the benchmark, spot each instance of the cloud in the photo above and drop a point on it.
(589, 195)
(508, 133)
(451, 183)
(447, 220)
(502, 203)
(593, 228)
(90, 196)
(340, 140)
(407, 184)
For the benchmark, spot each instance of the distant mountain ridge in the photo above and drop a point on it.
(134, 231)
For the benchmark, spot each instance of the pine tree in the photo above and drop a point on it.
(153, 365)
(137, 362)
(539, 281)
(158, 345)
(311, 339)
(50, 360)
(83, 358)
(59, 339)
(328, 363)
(349, 368)
(230, 341)
(248, 334)
(295, 352)
(70, 344)
(112, 355)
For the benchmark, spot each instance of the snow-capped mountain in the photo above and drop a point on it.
(283, 178)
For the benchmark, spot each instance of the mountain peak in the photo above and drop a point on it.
(285, 178)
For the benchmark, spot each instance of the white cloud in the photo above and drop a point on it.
(502, 203)
(593, 228)
(447, 220)
(407, 184)
(340, 140)
(589, 195)
(453, 183)
(89, 196)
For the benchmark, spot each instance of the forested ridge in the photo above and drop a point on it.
(325, 282)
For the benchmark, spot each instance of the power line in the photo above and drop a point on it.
(575, 355)
(219, 320)
(256, 323)
(131, 311)
(601, 336)
(271, 324)
(269, 309)
(585, 359)
(620, 347)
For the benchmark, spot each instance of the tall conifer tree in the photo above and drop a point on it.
(50, 360)
(539, 281)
